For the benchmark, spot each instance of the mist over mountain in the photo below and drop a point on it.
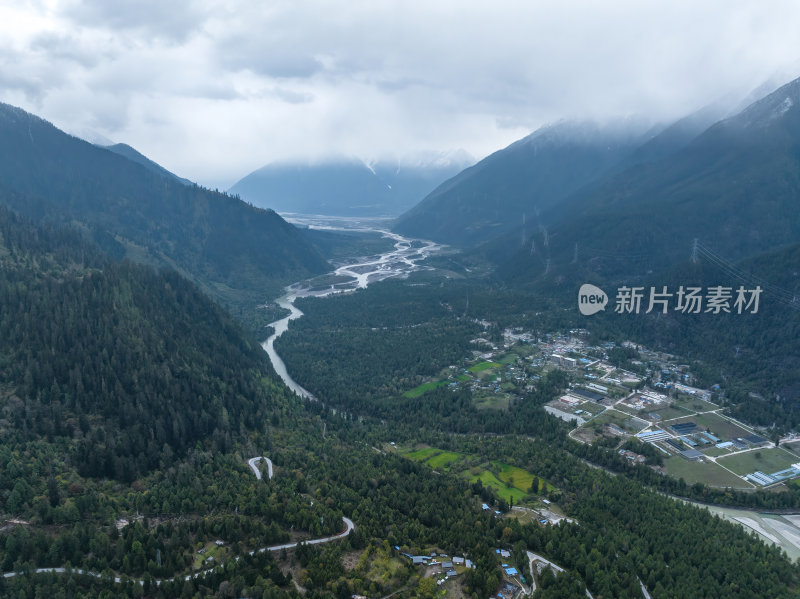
(343, 186)
(514, 185)
(137, 211)
(736, 187)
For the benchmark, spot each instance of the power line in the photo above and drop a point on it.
(778, 293)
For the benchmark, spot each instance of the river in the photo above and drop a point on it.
(405, 257)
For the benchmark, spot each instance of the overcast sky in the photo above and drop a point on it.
(214, 89)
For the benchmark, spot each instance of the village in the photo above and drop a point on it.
(443, 568)
(628, 392)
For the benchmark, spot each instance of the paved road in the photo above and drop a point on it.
(532, 557)
(253, 463)
(349, 526)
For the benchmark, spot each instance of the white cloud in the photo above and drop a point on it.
(214, 89)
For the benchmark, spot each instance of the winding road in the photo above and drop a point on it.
(253, 463)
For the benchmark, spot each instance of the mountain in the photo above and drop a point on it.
(120, 365)
(348, 187)
(132, 154)
(735, 187)
(235, 251)
(511, 187)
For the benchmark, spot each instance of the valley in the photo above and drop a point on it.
(376, 368)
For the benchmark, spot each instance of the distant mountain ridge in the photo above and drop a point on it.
(132, 209)
(344, 186)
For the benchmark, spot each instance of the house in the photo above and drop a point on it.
(451, 573)
(418, 560)
(458, 560)
(219, 543)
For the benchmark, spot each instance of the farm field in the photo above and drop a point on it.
(482, 366)
(620, 419)
(707, 473)
(420, 389)
(718, 425)
(772, 459)
(443, 459)
(484, 401)
(670, 413)
(511, 483)
(715, 452)
(488, 479)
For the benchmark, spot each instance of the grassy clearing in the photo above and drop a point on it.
(768, 460)
(715, 451)
(420, 389)
(706, 473)
(463, 378)
(510, 482)
(508, 359)
(485, 401)
(481, 366)
(211, 550)
(420, 455)
(443, 459)
(519, 478)
(502, 489)
(670, 412)
(721, 427)
(695, 404)
(620, 419)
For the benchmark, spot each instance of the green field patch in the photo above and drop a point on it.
(694, 404)
(718, 425)
(707, 473)
(624, 421)
(715, 451)
(443, 459)
(669, 413)
(490, 401)
(511, 483)
(503, 491)
(420, 389)
(463, 378)
(420, 455)
(769, 460)
(519, 478)
(481, 366)
(508, 359)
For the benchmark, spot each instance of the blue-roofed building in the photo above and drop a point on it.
(511, 571)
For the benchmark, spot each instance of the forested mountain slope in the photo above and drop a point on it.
(735, 187)
(127, 365)
(511, 187)
(229, 247)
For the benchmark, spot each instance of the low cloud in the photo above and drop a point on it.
(213, 90)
